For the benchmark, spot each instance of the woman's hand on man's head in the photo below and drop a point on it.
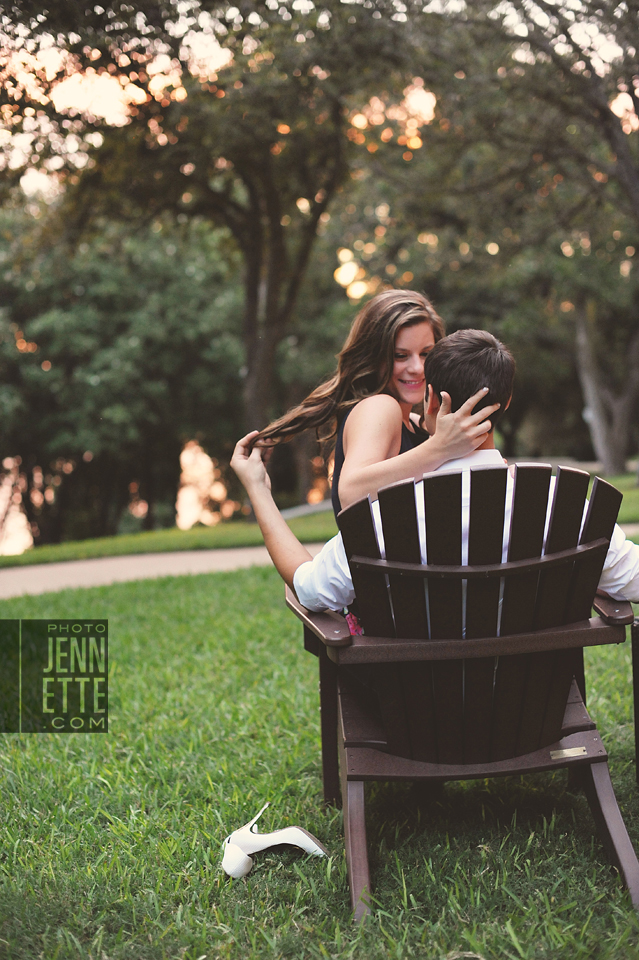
(463, 431)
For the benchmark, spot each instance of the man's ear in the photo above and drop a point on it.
(432, 404)
(508, 404)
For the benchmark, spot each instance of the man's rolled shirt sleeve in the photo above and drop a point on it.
(324, 583)
(620, 576)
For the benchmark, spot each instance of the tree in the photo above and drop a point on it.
(584, 66)
(259, 145)
(111, 359)
(517, 166)
(567, 80)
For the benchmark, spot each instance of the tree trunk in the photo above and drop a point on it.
(275, 265)
(148, 492)
(305, 447)
(607, 414)
(263, 328)
(259, 378)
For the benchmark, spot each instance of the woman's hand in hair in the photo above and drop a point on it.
(463, 431)
(250, 464)
(286, 552)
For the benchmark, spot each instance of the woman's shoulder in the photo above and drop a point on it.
(375, 413)
(381, 403)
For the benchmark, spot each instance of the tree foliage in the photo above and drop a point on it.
(260, 145)
(525, 159)
(111, 359)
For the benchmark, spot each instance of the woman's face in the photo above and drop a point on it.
(407, 382)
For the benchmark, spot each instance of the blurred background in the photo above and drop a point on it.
(197, 197)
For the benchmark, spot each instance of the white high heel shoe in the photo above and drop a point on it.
(236, 861)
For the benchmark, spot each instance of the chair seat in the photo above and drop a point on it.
(362, 725)
(366, 763)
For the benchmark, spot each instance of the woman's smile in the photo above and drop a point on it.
(407, 384)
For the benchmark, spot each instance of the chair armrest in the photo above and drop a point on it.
(330, 627)
(613, 612)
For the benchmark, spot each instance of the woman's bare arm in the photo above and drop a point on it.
(285, 550)
(372, 438)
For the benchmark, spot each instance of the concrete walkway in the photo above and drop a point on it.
(45, 577)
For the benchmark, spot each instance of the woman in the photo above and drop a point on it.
(367, 405)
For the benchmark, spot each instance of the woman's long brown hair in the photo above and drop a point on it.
(364, 365)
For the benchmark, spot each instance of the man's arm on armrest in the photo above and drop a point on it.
(325, 583)
(285, 550)
(330, 627)
(620, 575)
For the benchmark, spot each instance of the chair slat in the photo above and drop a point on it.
(571, 487)
(530, 499)
(538, 689)
(511, 679)
(603, 508)
(528, 520)
(569, 497)
(358, 533)
(565, 667)
(361, 717)
(399, 522)
(486, 522)
(479, 677)
(485, 539)
(420, 715)
(442, 502)
(386, 681)
(448, 689)
(601, 517)
(401, 542)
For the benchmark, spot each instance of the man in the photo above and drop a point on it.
(460, 365)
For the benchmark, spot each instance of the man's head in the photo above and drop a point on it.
(463, 363)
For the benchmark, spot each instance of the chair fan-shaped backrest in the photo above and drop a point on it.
(485, 708)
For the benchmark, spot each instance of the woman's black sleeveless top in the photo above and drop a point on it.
(409, 442)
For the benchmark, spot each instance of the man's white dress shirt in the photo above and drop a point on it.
(325, 582)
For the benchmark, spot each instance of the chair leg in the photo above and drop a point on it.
(328, 723)
(355, 841)
(610, 826)
(634, 634)
(356, 853)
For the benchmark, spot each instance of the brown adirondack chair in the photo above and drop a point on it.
(469, 671)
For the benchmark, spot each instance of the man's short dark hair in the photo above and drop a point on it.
(464, 362)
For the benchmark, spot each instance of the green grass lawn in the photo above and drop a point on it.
(314, 527)
(110, 846)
